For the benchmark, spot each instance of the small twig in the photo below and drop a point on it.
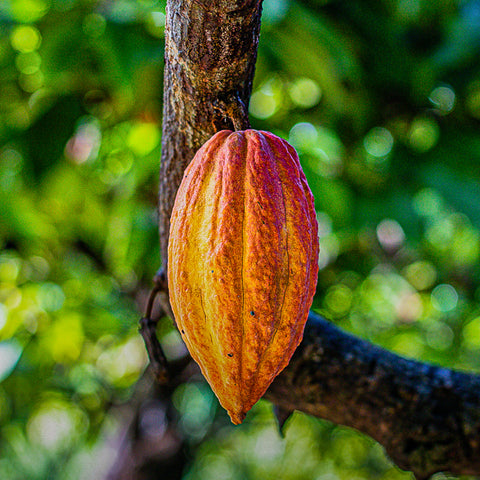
(148, 330)
(151, 299)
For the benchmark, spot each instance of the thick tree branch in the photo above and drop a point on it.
(428, 418)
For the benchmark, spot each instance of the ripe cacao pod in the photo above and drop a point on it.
(242, 262)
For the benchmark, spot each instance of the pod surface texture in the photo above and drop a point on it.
(242, 262)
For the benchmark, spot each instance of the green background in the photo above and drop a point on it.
(382, 101)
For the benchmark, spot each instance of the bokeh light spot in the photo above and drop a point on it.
(9, 269)
(38, 269)
(155, 24)
(408, 344)
(471, 334)
(10, 352)
(324, 148)
(325, 224)
(3, 316)
(123, 11)
(274, 11)
(13, 298)
(339, 299)
(94, 25)
(56, 424)
(305, 92)
(443, 98)
(85, 143)
(440, 234)
(421, 275)
(409, 306)
(390, 235)
(378, 142)
(215, 466)
(428, 202)
(329, 243)
(262, 105)
(158, 18)
(25, 11)
(122, 364)
(119, 162)
(465, 247)
(50, 297)
(329, 249)
(444, 298)
(266, 101)
(173, 346)
(97, 103)
(439, 336)
(153, 421)
(195, 403)
(303, 135)
(424, 134)
(65, 338)
(472, 101)
(25, 38)
(31, 82)
(28, 62)
(268, 446)
(143, 138)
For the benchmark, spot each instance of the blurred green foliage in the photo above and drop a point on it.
(381, 100)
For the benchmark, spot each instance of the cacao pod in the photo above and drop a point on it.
(242, 262)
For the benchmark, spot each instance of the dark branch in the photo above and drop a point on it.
(426, 417)
(158, 361)
(148, 327)
(148, 330)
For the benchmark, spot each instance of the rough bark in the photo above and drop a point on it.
(427, 418)
(210, 54)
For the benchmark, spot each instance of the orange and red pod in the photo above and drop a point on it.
(242, 262)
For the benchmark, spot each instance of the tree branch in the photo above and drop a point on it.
(427, 418)
(210, 54)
